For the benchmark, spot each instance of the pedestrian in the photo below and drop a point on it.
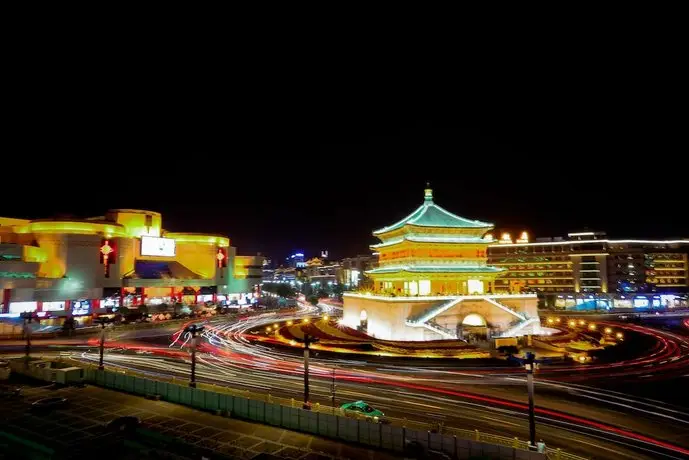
(540, 445)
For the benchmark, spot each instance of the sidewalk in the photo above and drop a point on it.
(92, 407)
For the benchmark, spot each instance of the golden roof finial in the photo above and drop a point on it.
(428, 193)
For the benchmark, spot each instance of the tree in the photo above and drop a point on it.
(285, 290)
(313, 300)
(338, 289)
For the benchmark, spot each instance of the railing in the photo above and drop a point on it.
(559, 454)
(434, 311)
(438, 329)
(514, 329)
(506, 308)
(439, 428)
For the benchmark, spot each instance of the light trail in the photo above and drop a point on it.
(233, 355)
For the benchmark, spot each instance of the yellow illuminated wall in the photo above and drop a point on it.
(241, 266)
(126, 254)
(34, 254)
(54, 248)
(9, 221)
(198, 238)
(137, 222)
(71, 227)
(199, 258)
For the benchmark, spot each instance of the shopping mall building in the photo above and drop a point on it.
(124, 258)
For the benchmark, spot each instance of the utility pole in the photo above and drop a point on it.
(529, 364)
(102, 322)
(193, 330)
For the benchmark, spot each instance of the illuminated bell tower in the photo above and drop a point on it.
(433, 252)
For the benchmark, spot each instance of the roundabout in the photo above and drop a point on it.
(578, 405)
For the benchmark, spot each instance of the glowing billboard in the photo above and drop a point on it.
(154, 246)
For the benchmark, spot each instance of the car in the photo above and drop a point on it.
(360, 407)
(127, 423)
(49, 404)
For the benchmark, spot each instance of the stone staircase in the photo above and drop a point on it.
(505, 307)
(519, 328)
(434, 311)
(443, 331)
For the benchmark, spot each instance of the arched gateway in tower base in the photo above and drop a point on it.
(432, 273)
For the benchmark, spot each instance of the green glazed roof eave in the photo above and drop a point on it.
(436, 269)
(430, 214)
(431, 239)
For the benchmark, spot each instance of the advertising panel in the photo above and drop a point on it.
(154, 246)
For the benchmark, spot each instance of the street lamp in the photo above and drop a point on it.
(333, 387)
(308, 340)
(102, 321)
(27, 316)
(529, 364)
(194, 330)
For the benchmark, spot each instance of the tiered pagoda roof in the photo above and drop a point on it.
(430, 214)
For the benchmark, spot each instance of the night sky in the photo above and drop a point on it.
(277, 181)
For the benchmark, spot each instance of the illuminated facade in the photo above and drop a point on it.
(587, 270)
(355, 269)
(433, 251)
(433, 281)
(122, 258)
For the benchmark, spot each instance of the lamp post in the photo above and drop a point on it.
(332, 389)
(102, 322)
(308, 340)
(27, 316)
(529, 364)
(193, 330)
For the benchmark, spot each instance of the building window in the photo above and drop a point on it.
(475, 287)
(424, 287)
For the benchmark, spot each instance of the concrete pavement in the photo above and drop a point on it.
(90, 408)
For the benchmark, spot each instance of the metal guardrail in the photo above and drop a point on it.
(471, 435)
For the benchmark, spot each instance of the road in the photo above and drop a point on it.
(584, 419)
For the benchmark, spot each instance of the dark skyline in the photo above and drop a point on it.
(330, 189)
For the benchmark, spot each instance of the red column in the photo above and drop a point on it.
(143, 296)
(121, 297)
(39, 306)
(95, 305)
(196, 301)
(6, 296)
(172, 295)
(215, 297)
(68, 307)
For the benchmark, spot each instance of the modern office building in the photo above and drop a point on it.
(354, 270)
(296, 260)
(77, 266)
(588, 270)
